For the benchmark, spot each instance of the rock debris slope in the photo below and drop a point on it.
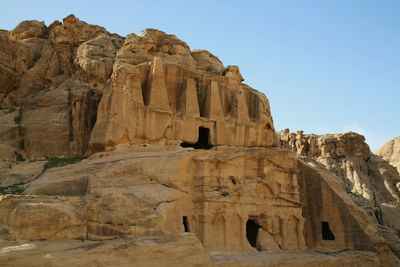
(149, 153)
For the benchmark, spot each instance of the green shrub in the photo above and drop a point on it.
(15, 189)
(19, 156)
(59, 162)
(18, 189)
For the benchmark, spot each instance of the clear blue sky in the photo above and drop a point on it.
(326, 66)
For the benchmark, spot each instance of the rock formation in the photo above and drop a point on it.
(150, 153)
(372, 183)
(390, 152)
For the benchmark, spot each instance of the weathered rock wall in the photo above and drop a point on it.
(369, 181)
(47, 83)
(217, 191)
(390, 152)
(162, 192)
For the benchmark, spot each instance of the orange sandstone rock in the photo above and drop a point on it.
(184, 166)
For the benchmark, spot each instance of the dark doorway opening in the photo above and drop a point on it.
(326, 232)
(185, 224)
(378, 216)
(203, 142)
(252, 232)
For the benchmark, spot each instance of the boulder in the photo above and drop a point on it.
(96, 58)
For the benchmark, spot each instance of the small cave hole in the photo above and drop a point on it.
(252, 232)
(185, 224)
(233, 180)
(326, 232)
(378, 216)
(203, 142)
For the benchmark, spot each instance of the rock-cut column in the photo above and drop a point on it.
(242, 110)
(156, 91)
(213, 107)
(188, 100)
(120, 112)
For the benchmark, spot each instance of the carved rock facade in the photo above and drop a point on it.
(184, 165)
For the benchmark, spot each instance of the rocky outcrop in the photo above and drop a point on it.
(96, 58)
(182, 163)
(64, 69)
(163, 74)
(29, 29)
(27, 218)
(56, 97)
(167, 251)
(390, 152)
(370, 181)
(214, 194)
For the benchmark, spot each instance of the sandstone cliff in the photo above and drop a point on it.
(371, 182)
(150, 153)
(54, 77)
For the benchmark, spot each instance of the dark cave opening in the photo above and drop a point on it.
(326, 232)
(185, 224)
(203, 142)
(252, 232)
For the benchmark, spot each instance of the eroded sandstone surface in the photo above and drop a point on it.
(371, 182)
(390, 152)
(139, 151)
